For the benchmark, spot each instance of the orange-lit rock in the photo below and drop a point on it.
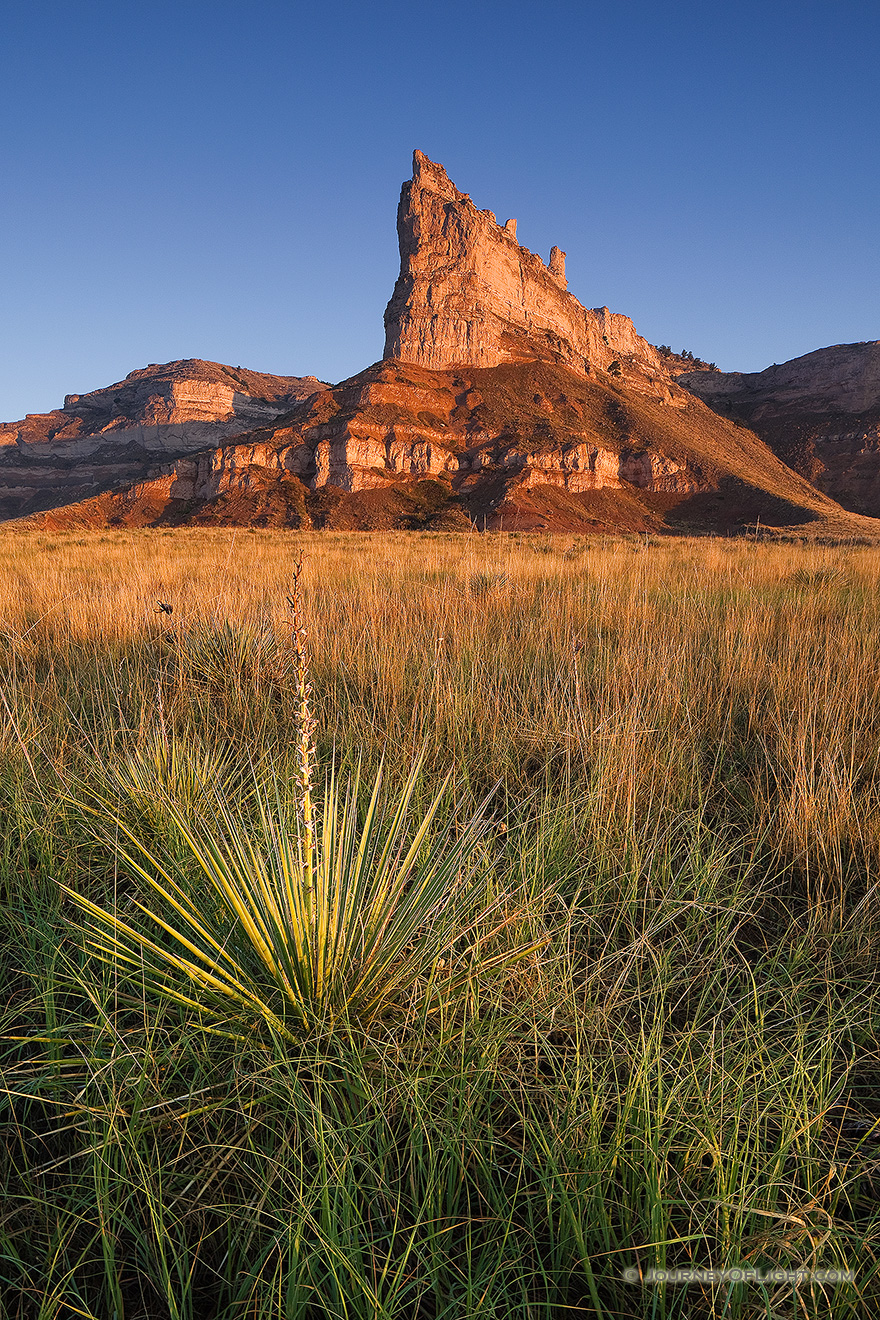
(468, 294)
(120, 434)
(820, 413)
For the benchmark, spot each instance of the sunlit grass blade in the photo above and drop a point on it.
(249, 924)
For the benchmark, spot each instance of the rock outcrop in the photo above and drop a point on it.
(121, 433)
(820, 413)
(501, 402)
(469, 295)
(524, 446)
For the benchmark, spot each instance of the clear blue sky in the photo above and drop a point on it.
(220, 180)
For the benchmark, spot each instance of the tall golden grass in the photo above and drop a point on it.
(683, 1070)
(653, 669)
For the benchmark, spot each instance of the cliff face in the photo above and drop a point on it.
(820, 413)
(396, 423)
(119, 434)
(501, 402)
(522, 446)
(469, 294)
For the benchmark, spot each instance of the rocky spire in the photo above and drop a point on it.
(469, 294)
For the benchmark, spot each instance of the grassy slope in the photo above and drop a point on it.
(685, 734)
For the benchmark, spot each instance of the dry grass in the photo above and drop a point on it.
(685, 736)
(656, 670)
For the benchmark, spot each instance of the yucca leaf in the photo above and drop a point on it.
(337, 932)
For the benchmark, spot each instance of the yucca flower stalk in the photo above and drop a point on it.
(306, 750)
(313, 918)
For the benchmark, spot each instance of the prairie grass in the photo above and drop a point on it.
(686, 833)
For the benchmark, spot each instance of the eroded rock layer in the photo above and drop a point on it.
(120, 434)
(820, 413)
(522, 446)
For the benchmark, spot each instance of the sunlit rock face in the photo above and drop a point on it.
(521, 445)
(469, 295)
(820, 413)
(118, 434)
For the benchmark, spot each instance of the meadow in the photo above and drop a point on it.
(620, 1009)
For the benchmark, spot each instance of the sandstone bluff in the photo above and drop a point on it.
(820, 413)
(119, 434)
(501, 401)
(469, 294)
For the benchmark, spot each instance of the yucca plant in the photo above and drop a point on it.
(299, 930)
(299, 918)
(166, 767)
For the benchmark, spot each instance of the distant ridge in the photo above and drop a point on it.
(820, 413)
(125, 432)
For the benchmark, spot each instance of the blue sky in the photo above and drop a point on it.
(220, 180)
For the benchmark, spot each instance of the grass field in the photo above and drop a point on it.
(640, 1030)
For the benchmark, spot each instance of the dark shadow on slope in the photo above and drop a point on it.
(733, 506)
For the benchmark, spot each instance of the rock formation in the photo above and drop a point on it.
(501, 401)
(531, 445)
(820, 413)
(469, 295)
(121, 433)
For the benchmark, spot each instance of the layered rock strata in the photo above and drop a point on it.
(120, 434)
(820, 413)
(469, 295)
(520, 445)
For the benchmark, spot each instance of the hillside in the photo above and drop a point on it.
(521, 445)
(820, 413)
(121, 434)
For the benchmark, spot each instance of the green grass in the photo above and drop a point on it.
(681, 1070)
